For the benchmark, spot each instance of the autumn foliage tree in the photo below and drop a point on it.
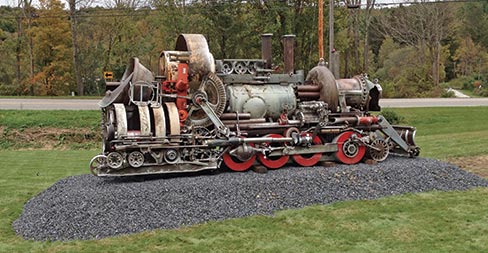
(52, 50)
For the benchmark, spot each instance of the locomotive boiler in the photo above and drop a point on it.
(197, 113)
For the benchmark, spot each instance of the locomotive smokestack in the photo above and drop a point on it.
(266, 49)
(289, 53)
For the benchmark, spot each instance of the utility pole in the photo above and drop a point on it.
(333, 55)
(331, 32)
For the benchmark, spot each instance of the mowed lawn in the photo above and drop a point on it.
(426, 222)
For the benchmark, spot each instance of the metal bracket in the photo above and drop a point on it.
(200, 99)
(390, 132)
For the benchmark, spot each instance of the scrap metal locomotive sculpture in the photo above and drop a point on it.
(197, 113)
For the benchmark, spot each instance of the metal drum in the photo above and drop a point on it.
(262, 101)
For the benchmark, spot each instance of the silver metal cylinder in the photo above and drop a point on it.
(261, 101)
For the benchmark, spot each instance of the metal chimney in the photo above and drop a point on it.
(266, 49)
(289, 53)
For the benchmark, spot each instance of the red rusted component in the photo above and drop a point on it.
(283, 120)
(182, 91)
(236, 165)
(273, 162)
(369, 120)
(349, 151)
(309, 159)
(183, 115)
(179, 86)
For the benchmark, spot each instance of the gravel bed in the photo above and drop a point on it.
(87, 207)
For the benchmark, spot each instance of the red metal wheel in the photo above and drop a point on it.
(234, 164)
(308, 160)
(273, 162)
(349, 151)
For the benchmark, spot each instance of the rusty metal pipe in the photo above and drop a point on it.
(233, 116)
(266, 49)
(289, 53)
(308, 94)
(354, 121)
(308, 88)
(243, 122)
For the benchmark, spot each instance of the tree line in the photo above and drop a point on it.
(415, 50)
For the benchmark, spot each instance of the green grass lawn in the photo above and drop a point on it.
(19, 119)
(444, 132)
(426, 222)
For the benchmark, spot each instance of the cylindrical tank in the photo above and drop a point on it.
(339, 94)
(355, 91)
(261, 101)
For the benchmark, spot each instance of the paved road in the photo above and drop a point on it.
(434, 102)
(91, 104)
(48, 104)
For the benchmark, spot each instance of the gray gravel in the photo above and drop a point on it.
(87, 207)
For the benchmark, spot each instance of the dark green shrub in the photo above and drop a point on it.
(392, 117)
(447, 94)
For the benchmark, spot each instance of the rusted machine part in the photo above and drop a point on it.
(173, 118)
(216, 97)
(243, 122)
(355, 121)
(118, 95)
(266, 47)
(240, 158)
(159, 169)
(235, 116)
(350, 150)
(308, 88)
(308, 160)
(97, 163)
(200, 99)
(323, 78)
(262, 101)
(144, 120)
(201, 60)
(378, 150)
(151, 121)
(159, 121)
(168, 61)
(400, 137)
(407, 133)
(138, 74)
(289, 53)
(274, 162)
(268, 127)
(308, 94)
(134, 73)
(355, 92)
